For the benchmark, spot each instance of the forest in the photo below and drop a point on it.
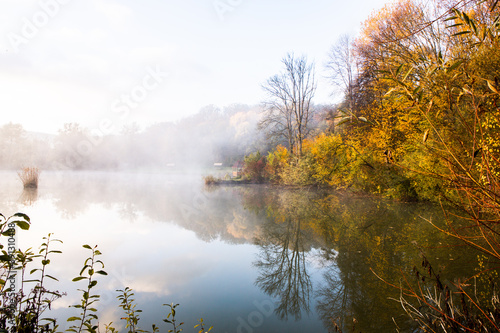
(419, 121)
(420, 114)
(210, 136)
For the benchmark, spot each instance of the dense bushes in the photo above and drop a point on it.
(330, 160)
(420, 120)
(254, 167)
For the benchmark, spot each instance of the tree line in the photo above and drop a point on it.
(419, 120)
(420, 88)
(212, 135)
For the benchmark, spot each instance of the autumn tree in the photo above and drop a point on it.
(288, 109)
(436, 92)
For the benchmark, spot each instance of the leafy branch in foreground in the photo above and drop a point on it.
(173, 321)
(43, 303)
(88, 313)
(201, 326)
(128, 305)
(40, 298)
(20, 313)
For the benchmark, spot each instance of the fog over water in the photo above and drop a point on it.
(243, 258)
(161, 235)
(212, 135)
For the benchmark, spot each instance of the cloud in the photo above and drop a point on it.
(117, 15)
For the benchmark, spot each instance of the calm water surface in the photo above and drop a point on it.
(245, 259)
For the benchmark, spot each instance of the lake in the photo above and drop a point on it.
(249, 258)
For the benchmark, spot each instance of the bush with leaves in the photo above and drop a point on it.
(254, 167)
(276, 161)
(23, 312)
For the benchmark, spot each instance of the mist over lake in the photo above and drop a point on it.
(249, 166)
(244, 258)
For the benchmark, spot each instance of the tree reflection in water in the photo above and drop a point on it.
(283, 272)
(340, 240)
(285, 239)
(334, 302)
(316, 250)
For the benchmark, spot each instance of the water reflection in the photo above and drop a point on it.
(284, 241)
(312, 251)
(344, 238)
(282, 266)
(29, 196)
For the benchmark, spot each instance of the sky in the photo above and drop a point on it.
(106, 63)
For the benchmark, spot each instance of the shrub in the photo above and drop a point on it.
(299, 172)
(210, 180)
(254, 167)
(29, 177)
(276, 161)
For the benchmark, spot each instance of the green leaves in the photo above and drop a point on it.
(454, 65)
(128, 305)
(87, 314)
(172, 321)
(5, 258)
(51, 277)
(23, 216)
(35, 302)
(23, 225)
(19, 219)
(201, 325)
(79, 278)
(465, 25)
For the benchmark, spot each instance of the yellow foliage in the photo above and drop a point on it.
(275, 162)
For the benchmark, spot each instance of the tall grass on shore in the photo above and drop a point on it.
(211, 180)
(29, 176)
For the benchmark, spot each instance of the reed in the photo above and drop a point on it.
(29, 196)
(29, 176)
(211, 180)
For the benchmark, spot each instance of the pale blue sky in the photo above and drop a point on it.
(106, 63)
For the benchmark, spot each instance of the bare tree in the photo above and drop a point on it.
(288, 109)
(342, 68)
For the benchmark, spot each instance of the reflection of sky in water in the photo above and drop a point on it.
(151, 240)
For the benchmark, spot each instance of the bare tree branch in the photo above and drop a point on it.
(288, 109)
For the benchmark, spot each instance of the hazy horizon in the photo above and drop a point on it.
(108, 62)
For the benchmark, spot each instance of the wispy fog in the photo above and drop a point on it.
(213, 135)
